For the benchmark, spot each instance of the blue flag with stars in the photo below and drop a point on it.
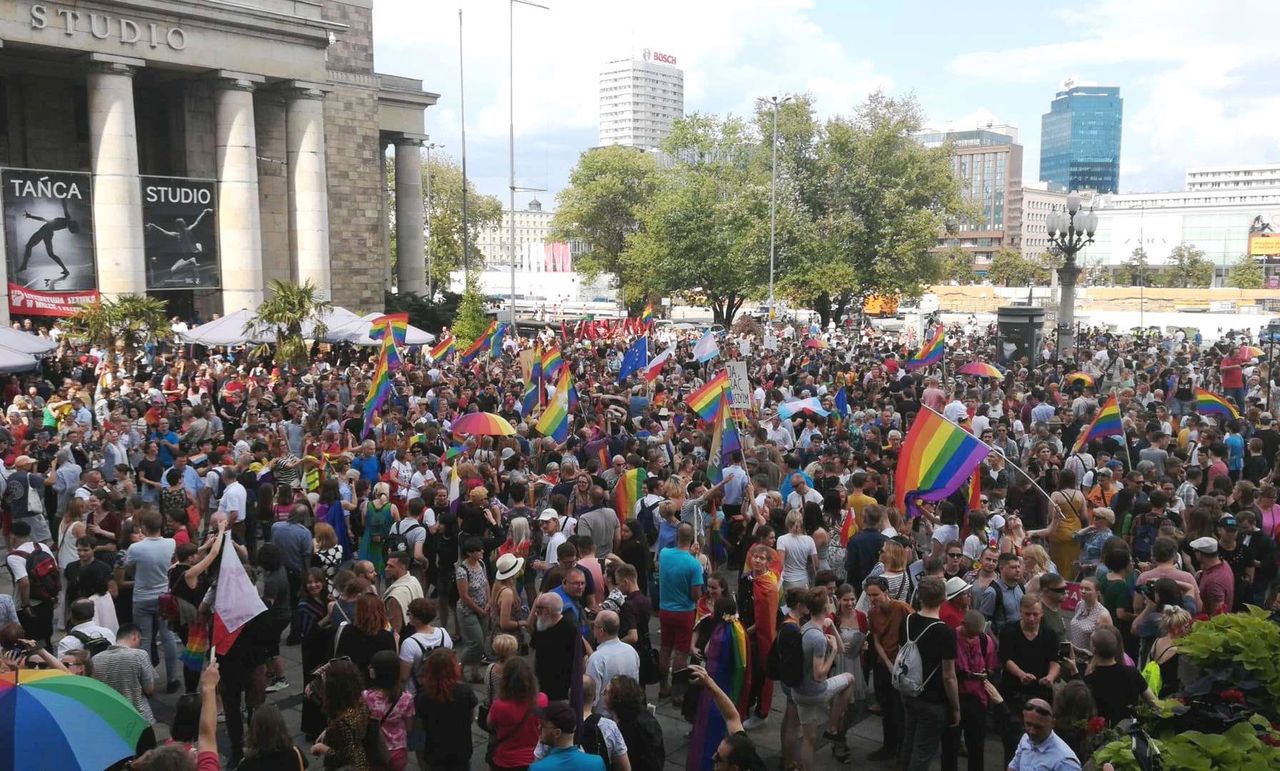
(635, 359)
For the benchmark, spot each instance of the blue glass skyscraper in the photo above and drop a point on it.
(1080, 139)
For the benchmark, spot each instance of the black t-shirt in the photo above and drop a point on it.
(1116, 690)
(152, 470)
(1033, 656)
(937, 643)
(86, 580)
(634, 614)
(553, 662)
(449, 740)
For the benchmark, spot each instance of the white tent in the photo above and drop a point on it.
(228, 330)
(357, 332)
(25, 342)
(15, 361)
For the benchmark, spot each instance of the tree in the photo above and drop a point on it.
(289, 312)
(124, 323)
(957, 265)
(1135, 271)
(1187, 268)
(1010, 268)
(706, 229)
(601, 206)
(471, 320)
(1246, 274)
(444, 218)
(425, 313)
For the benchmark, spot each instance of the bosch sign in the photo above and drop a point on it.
(657, 57)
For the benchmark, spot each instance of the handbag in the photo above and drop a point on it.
(375, 745)
(482, 713)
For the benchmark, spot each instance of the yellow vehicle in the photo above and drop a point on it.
(880, 306)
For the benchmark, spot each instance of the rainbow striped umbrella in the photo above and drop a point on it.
(1079, 377)
(52, 719)
(483, 424)
(980, 369)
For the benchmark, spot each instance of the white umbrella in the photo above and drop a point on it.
(16, 361)
(25, 342)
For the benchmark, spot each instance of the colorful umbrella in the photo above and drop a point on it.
(1080, 377)
(815, 342)
(52, 719)
(980, 369)
(1252, 351)
(483, 424)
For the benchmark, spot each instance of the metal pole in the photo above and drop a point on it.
(773, 204)
(511, 149)
(431, 265)
(462, 118)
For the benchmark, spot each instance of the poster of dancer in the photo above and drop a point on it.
(181, 237)
(48, 230)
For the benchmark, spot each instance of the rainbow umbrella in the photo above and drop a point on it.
(1252, 351)
(483, 424)
(980, 369)
(1079, 377)
(52, 719)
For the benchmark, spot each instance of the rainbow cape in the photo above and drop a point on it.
(937, 457)
(1105, 423)
(1209, 403)
(931, 352)
(554, 421)
(728, 665)
(442, 348)
(628, 491)
(706, 400)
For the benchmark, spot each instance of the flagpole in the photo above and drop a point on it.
(1124, 435)
(1009, 464)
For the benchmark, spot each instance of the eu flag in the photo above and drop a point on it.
(635, 359)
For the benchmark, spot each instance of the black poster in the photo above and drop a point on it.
(181, 234)
(48, 230)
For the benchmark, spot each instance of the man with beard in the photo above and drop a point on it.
(554, 642)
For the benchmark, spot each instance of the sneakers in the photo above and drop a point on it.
(753, 722)
(278, 684)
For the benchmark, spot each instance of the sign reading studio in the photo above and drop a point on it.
(104, 26)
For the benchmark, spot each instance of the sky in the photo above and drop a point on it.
(1197, 79)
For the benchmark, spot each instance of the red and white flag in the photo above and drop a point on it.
(236, 602)
(654, 369)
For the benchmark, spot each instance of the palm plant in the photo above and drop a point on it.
(290, 309)
(124, 324)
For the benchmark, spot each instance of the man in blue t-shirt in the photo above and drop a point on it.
(680, 582)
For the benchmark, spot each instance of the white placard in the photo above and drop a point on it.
(771, 342)
(739, 384)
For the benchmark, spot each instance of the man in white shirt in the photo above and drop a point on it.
(234, 497)
(36, 616)
(422, 477)
(549, 520)
(801, 493)
(84, 629)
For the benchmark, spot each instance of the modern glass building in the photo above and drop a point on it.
(988, 164)
(1080, 139)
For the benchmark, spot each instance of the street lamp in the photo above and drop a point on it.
(773, 192)
(511, 141)
(1069, 232)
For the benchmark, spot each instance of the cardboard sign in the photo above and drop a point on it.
(739, 385)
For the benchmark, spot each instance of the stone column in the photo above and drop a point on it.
(239, 221)
(308, 191)
(411, 254)
(117, 193)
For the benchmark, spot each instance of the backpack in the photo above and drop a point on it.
(397, 540)
(593, 741)
(648, 521)
(94, 645)
(15, 491)
(786, 657)
(1145, 530)
(42, 573)
(908, 675)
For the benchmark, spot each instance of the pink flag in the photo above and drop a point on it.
(237, 601)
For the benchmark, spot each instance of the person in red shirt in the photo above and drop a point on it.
(958, 598)
(1217, 581)
(1233, 378)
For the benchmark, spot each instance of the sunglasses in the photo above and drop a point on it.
(954, 555)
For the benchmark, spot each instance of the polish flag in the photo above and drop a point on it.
(654, 369)
(236, 602)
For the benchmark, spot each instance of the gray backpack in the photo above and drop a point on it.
(908, 668)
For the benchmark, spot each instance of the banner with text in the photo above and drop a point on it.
(180, 232)
(48, 236)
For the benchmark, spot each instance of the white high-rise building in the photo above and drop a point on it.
(639, 100)
(1234, 177)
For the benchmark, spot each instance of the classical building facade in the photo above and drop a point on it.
(225, 145)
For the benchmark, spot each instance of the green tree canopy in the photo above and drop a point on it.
(957, 265)
(444, 218)
(601, 206)
(1010, 268)
(1245, 274)
(289, 309)
(1136, 271)
(1187, 268)
(124, 323)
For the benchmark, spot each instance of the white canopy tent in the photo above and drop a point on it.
(228, 330)
(15, 361)
(341, 326)
(25, 342)
(357, 333)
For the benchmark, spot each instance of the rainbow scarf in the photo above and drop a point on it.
(727, 664)
(1209, 403)
(931, 352)
(1105, 423)
(937, 457)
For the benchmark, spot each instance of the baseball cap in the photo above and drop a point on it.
(1205, 545)
(560, 715)
(547, 515)
(1228, 521)
(23, 460)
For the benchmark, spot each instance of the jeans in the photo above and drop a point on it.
(925, 723)
(146, 614)
(973, 727)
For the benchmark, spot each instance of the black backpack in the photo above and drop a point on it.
(786, 657)
(94, 645)
(1146, 528)
(397, 540)
(593, 741)
(42, 573)
(647, 518)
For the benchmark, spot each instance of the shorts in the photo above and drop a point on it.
(676, 628)
(815, 708)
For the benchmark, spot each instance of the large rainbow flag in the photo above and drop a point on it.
(398, 323)
(442, 348)
(728, 665)
(646, 316)
(379, 387)
(551, 362)
(937, 457)
(628, 491)
(1209, 403)
(932, 351)
(1105, 423)
(706, 400)
(554, 421)
(535, 395)
(481, 343)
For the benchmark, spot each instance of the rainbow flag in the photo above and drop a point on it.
(451, 453)
(730, 441)
(646, 316)
(937, 457)
(728, 666)
(551, 362)
(442, 348)
(554, 421)
(1209, 403)
(535, 396)
(1105, 423)
(398, 323)
(481, 343)
(628, 491)
(706, 400)
(848, 528)
(380, 386)
(932, 351)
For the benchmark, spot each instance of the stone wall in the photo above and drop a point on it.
(273, 185)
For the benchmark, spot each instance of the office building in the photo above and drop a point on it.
(1080, 138)
(1038, 201)
(1233, 177)
(988, 163)
(639, 100)
(199, 150)
(535, 251)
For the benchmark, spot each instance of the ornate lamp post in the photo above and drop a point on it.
(1069, 232)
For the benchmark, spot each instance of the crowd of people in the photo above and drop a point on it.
(435, 581)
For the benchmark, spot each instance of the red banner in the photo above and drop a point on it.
(29, 302)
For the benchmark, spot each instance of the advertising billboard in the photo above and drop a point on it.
(48, 234)
(180, 233)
